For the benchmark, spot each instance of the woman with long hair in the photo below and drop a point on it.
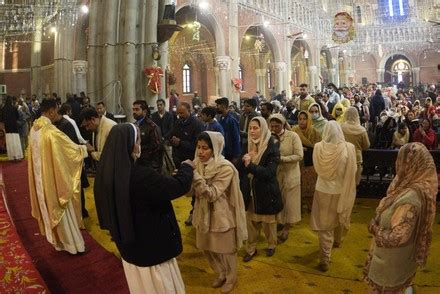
(402, 227)
(219, 212)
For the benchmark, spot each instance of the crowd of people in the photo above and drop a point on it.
(260, 166)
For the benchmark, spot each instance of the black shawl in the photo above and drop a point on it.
(112, 184)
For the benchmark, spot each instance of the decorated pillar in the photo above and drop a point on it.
(151, 17)
(79, 76)
(280, 71)
(380, 75)
(313, 77)
(92, 56)
(333, 76)
(224, 64)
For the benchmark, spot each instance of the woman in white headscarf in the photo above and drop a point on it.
(356, 135)
(334, 160)
(260, 166)
(219, 212)
(288, 174)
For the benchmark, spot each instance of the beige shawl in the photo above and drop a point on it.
(327, 163)
(260, 145)
(209, 171)
(415, 169)
(352, 125)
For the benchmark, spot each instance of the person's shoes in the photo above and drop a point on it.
(228, 286)
(248, 257)
(323, 266)
(270, 252)
(218, 282)
(189, 220)
(280, 227)
(283, 237)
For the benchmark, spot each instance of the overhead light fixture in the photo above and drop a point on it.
(84, 9)
(266, 23)
(247, 37)
(204, 5)
(305, 36)
(53, 30)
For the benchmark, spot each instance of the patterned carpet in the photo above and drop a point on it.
(293, 268)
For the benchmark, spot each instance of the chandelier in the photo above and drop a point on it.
(23, 17)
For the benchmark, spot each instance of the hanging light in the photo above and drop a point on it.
(84, 9)
(204, 5)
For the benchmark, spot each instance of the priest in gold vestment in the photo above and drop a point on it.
(54, 168)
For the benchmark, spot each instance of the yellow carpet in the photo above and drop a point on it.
(293, 268)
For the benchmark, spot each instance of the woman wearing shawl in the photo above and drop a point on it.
(219, 212)
(133, 202)
(309, 137)
(288, 174)
(338, 112)
(260, 164)
(356, 135)
(318, 119)
(401, 136)
(426, 135)
(334, 160)
(402, 227)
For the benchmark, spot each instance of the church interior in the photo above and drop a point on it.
(112, 54)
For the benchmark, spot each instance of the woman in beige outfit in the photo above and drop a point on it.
(356, 135)
(288, 174)
(219, 212)
(334, 160)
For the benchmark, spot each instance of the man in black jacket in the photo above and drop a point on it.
(163, 119)
(151, 143)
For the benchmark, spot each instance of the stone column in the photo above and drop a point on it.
(333, 78)
(128, 65)
(280, 71)
(288, 73)
(36, 87)
(151, 17)
(79, 76)
(163, 63)
(416, 76)
(224, 64)
(63, 58)
(313, 77)
(92, 57)
(234, 49)
(261, 80)
(380, 75)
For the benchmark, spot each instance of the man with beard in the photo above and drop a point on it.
(304, 100)
(231, 128)
(333, 95)
(247, 115)
(291, 113)
(151, 145)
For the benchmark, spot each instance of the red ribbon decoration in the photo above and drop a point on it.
(237, 84)
(154, 74)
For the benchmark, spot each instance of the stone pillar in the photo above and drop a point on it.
(63, 58)
(280, 71)
(109, 74)
(380, 75)
(36, 87)
(313, 78)
(261, 80)
(92, 57)
(128, 65)
(333, 78)
(224, 64)
(151, 18)
(416, 76)
(79, 76)
(288, 73)
(234, 49)
(163, 63)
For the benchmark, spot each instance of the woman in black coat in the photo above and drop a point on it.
(134, 203)
(10, 118)
(263, 194)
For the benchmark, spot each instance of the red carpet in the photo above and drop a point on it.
(96, 271)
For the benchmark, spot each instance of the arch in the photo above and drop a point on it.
(390, 54)
(268, 36)
(302, 43)
(210, 21)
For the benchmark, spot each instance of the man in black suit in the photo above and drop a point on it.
(100, 108)
(163, 119)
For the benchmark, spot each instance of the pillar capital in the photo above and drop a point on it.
(261, 72)
(313, 69)
(380, 70)
(416, 69)
(79, 66)
(223, 62)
